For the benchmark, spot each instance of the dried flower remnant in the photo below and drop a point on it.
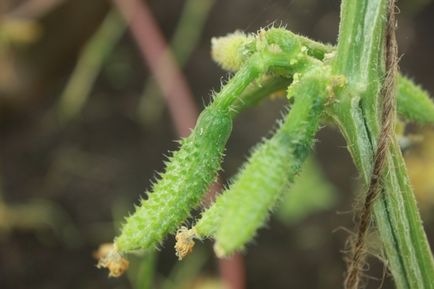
(184, 242)
(109, 257)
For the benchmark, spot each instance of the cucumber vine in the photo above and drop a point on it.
(324, 85)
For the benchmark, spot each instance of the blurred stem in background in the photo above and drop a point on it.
(34, 9)
(88, 66)
(153, 48)
(183, 274)
(100, 46)
(184, 40)
(143, 268)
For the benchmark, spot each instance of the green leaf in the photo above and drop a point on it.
(414, 103)
(310, 193)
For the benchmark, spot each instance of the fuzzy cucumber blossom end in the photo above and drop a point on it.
(230, 51)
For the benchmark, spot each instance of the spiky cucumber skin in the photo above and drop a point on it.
(188, 173)
(258, 179)
(271, 168)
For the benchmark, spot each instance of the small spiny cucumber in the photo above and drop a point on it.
(188, 174)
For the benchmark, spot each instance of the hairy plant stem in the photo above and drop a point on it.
(257, 92)
(360, 57)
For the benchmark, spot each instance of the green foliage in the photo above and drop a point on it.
(414, 103)
(310, 193)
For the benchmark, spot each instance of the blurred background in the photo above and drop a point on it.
(87, 113)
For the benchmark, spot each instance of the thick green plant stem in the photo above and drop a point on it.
(360, 57)
(243, 208)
